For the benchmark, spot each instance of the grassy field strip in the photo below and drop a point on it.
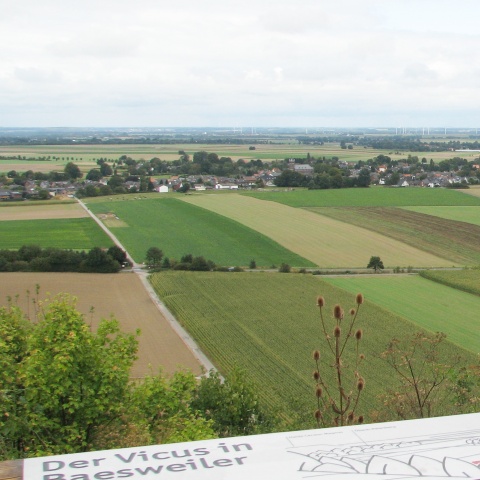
(101, 295)
(457, 241)
(461, 214)
(69, 233)
(43, 211)
(268, 323)
(369, 197)
(179, 228)
(324, 241)
(430, 305)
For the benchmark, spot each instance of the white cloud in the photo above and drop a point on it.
(263, 62)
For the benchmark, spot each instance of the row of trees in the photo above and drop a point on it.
(33, 258)
(66, 389)
(335, 178)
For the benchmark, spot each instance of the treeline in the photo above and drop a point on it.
(33, 258)
(155, 259)
(333, 178)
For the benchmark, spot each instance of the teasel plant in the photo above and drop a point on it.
(341, 396)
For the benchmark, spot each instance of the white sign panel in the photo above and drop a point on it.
(434, 448)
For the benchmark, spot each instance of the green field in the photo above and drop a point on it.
(268, 324)
(70, 233)
(457, 241)
(179, 228)
(460, 214)
(370, 197)
(465, 280)
(327, 242)
(428, 304)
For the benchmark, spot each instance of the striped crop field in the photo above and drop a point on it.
(67, 233)
(459, 214)
(456, 241)
(178, 228)
(428, 304)
(326, 242)
(370, 197)
(268, 324)
(465, 280)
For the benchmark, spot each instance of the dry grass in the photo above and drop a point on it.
(121, 295)
(42, 211)
(327, 242)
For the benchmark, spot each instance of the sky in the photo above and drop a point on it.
(249, 63)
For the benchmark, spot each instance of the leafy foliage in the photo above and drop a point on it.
(66, 389)
(61, 379)
(33, 258)
(375, 263)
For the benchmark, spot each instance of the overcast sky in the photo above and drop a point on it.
(232, 63)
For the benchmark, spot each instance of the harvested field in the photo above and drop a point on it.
(121, 295)
(457, 241)
(327, 242)
(42, 211)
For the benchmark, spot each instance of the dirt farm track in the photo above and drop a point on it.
(121, 295)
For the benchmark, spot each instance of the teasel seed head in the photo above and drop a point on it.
(320, 301)
(360, 419)
(316, 355)
(352, 312)
(359, 334)
(359, 299)
(316, 375)
(318, 415)
(338, 312)
(318, 392)
(337, 332)
(360, 384)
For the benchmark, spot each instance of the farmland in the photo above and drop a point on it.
(430, 305)
(466, 280)
(268, 323)
(66, 233)
(179, 228)
(86, 155)
(100, 296)
(325, 241)
(41, 211)
(370, 197)
(460, 214)
(457, 241)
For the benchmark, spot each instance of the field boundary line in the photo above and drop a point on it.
(109, 233)
(179, 330)
(142, 275)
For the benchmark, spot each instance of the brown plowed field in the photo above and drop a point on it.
(122, 295)
(42, 211)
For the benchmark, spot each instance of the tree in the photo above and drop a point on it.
(94, 175)
(117, 254)
(72, 171)
(99, 261)
(232, 404)
(153, 257)
(284, 268)
(376, 264)
(105, 169)
(58, 378)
